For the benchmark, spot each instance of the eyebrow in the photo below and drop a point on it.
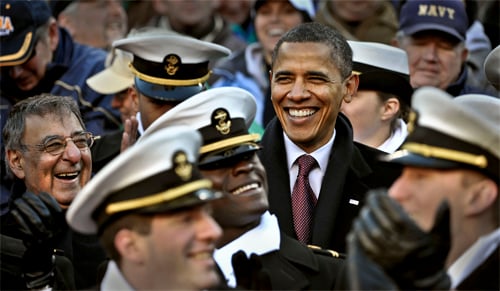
(48, 137)
(308, 74)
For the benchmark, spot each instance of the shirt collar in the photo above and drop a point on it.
(473, 257)
(251, 242)
(321, 155)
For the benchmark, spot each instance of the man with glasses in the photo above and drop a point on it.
(37, 56)
(47, 150)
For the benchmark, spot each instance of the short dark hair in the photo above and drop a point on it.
(140, 223)
(341, 52)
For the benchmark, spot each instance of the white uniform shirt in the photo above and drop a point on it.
(113, 279)
(260, 240)
(473, 257)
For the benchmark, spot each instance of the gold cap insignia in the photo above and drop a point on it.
(222, 121)
(172, 64)
(182, 167)
(412, 120)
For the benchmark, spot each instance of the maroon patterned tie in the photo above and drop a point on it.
(303, 199)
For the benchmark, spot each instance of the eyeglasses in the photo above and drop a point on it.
(55, 145)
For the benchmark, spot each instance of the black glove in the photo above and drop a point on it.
(412, 258)
(40, 220)
(362, 273)
(249, 273)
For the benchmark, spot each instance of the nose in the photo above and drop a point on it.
(116, 102)
(298, 90)
(398, 190)
(208, 228)
(15, 71)
(71, 152)
(243, 166)
(430, 52)
(115, 8)
(274, 16)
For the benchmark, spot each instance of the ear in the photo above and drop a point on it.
(129, 246)
(465, 54)
(132, 93)
(482, 195)
(53, 34)
(160, 7)
(391, 108)
(16, 162)
(395, 42)
(135, 95)
(351, 85)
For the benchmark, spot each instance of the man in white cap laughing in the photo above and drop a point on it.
(149, 207)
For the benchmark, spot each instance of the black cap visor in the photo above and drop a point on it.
(227, 157)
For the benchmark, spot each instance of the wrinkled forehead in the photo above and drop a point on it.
(39, 126)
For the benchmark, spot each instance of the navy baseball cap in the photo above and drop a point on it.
(447, 16)
(19, 21)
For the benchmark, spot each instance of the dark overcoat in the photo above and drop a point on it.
(352, 170)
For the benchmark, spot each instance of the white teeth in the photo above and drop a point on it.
(276, 32)
(67, 174)
(301, 112)
(245, 188)
(202, 256)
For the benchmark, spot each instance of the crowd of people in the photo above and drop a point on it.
(249, 145)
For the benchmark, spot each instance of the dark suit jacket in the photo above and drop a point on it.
(352, 170)
(486, 276)
(297, 267)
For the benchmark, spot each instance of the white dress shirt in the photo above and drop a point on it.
(251, 242)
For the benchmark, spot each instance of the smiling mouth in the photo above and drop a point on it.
(202, 256)
(67, 176)
(301, 112)
(276, 32)
(245, 188)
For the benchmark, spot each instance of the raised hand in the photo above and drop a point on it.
(412, 258)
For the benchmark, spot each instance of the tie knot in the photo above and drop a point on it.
(306, 164)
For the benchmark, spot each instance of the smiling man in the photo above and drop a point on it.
(433, 34)
(310, 78)
(48, 153)
(39, 150)
(150, 208)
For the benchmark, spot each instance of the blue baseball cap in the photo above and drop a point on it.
(19, 21)
(447, 16)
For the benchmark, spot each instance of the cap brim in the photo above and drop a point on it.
(192, 199)
(188, 200)
(167, 93)
(227, 156)
(406, 158)
(108, 82)
(388, 83)
(433, 26)
(17, 50)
